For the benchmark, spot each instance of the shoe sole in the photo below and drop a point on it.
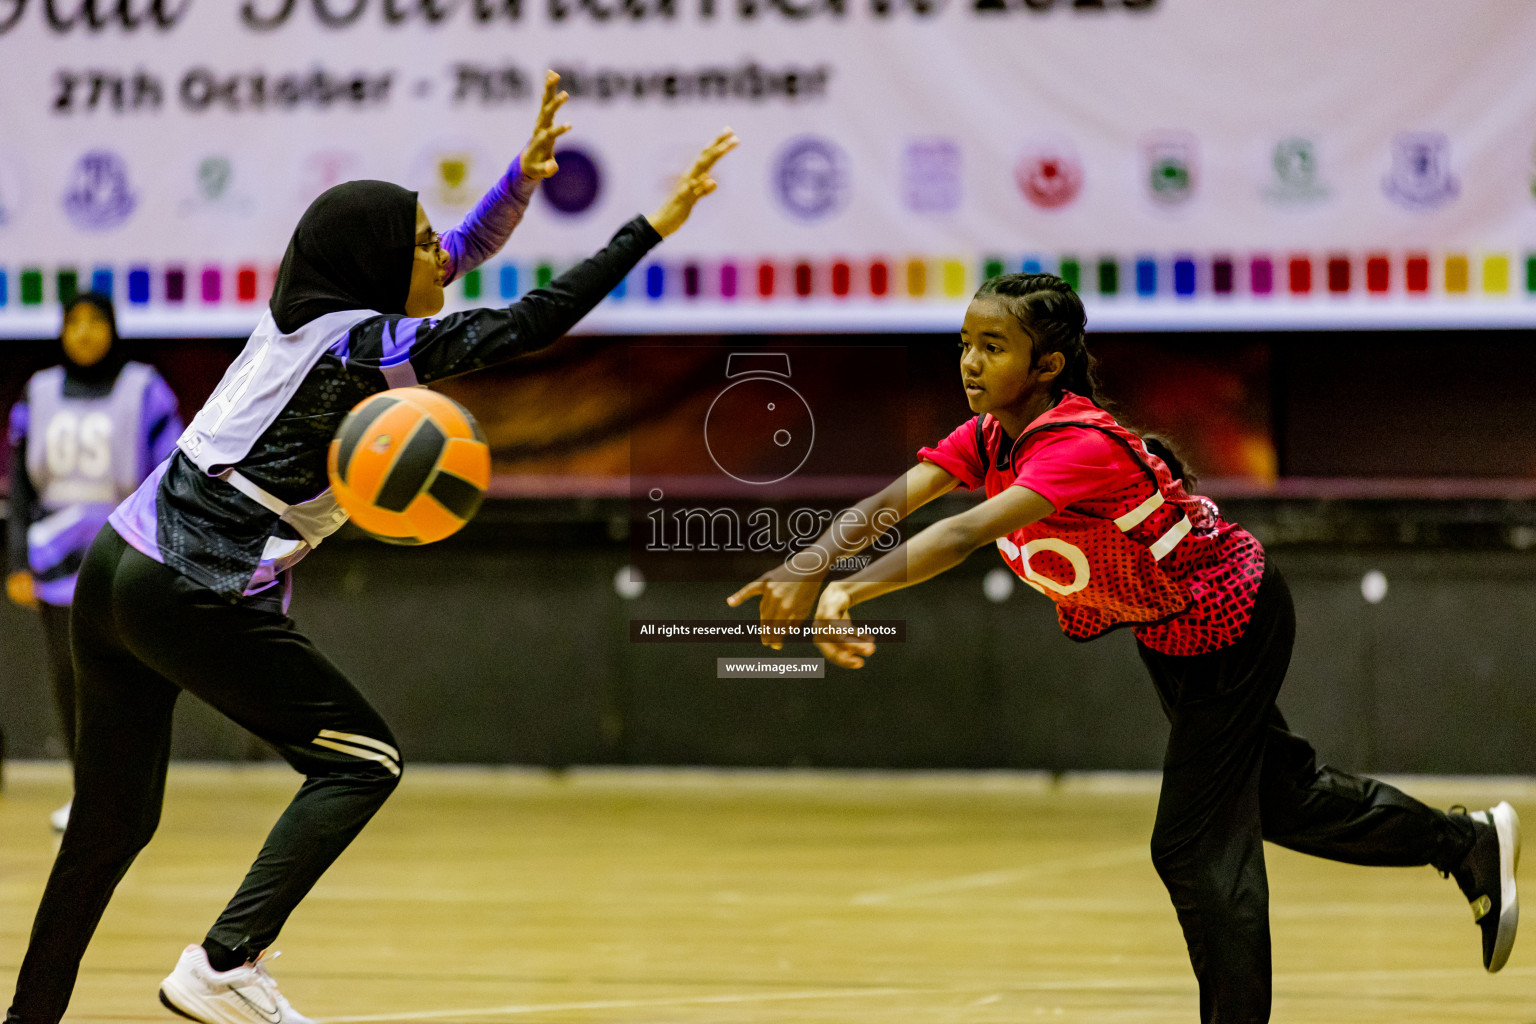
(189, 1005)
(1507, 822)
(165, 1001)
(185, 1004)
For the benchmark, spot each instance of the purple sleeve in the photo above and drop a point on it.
(162, 422)
(17, 429)
(490, 223)
(23, 499)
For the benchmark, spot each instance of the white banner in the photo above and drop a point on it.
(1186, 163)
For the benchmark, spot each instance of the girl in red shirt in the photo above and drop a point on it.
(1099, 521)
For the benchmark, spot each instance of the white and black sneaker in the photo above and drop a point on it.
(1487, 878)
(244, 995)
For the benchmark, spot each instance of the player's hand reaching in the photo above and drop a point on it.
(539, 154)
(849, 650)
(786, 597)
(694, 185)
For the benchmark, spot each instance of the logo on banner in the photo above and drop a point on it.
(99, 197)
(214, 175)
(1049, 175)
(325, 169)
(449, 175)
(10, 191)
(1296, 175)
(450, 179)
(931, 176)
(1170, 167)
(811, 177)
(574, 188)
(215, 178)
(1420, 178)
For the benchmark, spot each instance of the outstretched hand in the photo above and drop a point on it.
(787, 597)
(694, 185)
(539, 154)
(849, 650)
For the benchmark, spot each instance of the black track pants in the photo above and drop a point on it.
(61, 670)
(142, 634)
(1233, 776)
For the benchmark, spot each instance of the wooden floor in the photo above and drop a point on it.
(675, 898)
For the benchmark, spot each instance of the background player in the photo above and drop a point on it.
(185, 589)
(1088, 515)
(83, 435)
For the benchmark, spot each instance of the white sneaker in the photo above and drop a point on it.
(245, 995)
(59, 819)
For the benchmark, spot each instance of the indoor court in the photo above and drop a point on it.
(702, 897)
(767, 511)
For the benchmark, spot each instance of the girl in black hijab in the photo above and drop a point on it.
(186, 588)
(352, 249)
(84, 434)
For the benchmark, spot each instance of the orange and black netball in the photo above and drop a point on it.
(410, 466)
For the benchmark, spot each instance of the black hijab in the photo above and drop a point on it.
(102, 373)
(352, 249)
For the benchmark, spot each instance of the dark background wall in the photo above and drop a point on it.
(1365, 404)
(510, 645)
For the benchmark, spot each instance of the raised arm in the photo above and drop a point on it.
(694, 184)
(488, 226)
(941, 546)
(418, 350)
(788, 592)
(432, 349)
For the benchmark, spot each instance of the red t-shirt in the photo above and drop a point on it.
(1063, 467)
(1192, 595)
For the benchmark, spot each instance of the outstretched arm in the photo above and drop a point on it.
(788, 592)
(497, 215)
(941, 546)
(417, 350)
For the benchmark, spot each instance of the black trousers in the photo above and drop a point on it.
(61, 670)
(1233, 776)
(61, 675)
(142, 634)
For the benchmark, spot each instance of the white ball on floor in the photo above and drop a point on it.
(1373, 586)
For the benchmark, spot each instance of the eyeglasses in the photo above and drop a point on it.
(433, 243)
